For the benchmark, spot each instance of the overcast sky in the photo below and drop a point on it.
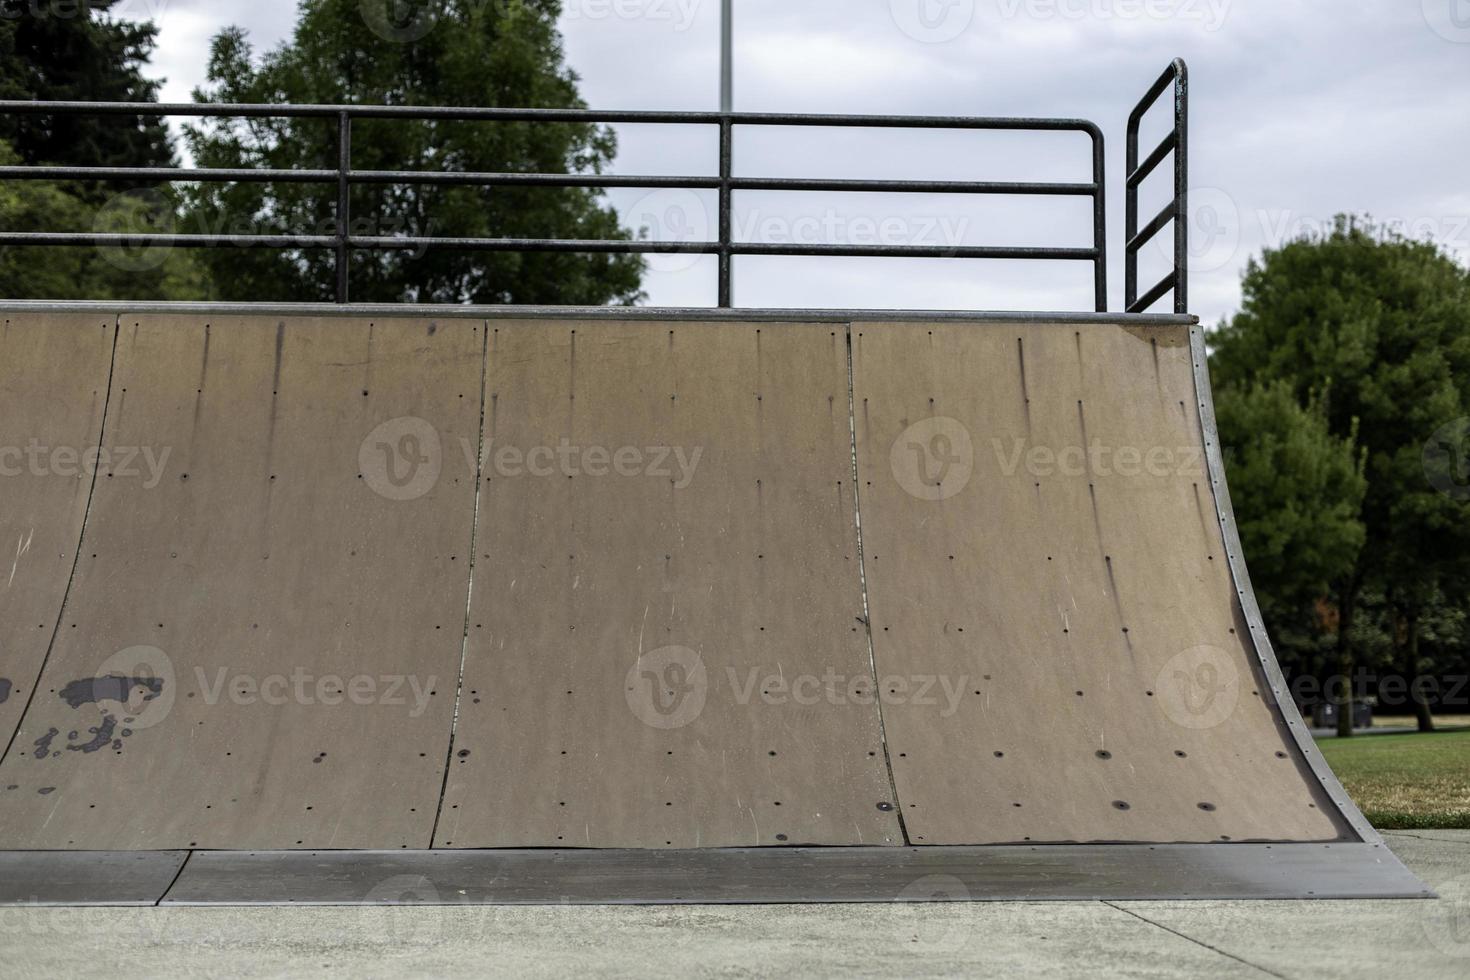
(1301, 109)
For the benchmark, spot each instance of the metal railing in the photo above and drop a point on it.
(1176, 142)
(344, 243)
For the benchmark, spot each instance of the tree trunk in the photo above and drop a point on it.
(1420, 698)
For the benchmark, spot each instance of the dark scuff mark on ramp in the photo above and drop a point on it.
(1025, 391)
(1118, 602)
(102, 736)
(113, 687)
(43, 744)
(1204, 520)
(5, 688)
(270, 439)
(572, 367)
(1098, 528)
(203, 375)
(367, 368)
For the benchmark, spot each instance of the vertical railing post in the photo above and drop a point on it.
(727, 137)
(1100, 221)
(1181, 187)
(344, 200)
(1130, 217)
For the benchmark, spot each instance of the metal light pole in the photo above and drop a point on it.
(727, 56)
(727, 102)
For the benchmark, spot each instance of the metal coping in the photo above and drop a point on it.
(343, 243)
(1245, 595)
(1056, 872)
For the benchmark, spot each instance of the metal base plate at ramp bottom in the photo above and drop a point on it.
(720, 876)
(87, 877)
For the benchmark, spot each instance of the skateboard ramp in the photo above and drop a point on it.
(639, 606)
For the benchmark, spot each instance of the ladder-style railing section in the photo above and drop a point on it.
(1175, 143)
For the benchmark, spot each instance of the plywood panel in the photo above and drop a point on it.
(1039, 532)
(262, 645)
(664, 652)
(53, 384)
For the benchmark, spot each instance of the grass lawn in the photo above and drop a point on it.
(1402, 782)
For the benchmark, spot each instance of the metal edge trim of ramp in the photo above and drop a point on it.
(750, 875)
(1056, 872)
(1246, 595)
(121, 878)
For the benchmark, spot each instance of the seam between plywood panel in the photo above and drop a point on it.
(77, 554)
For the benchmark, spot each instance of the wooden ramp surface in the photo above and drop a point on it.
(261, 649)
(1040, 529)
(403, 583)
(53, 385)
(656, 614)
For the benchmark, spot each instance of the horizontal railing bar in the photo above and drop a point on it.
(466, 113)
(1153, 227)
(489, 179)
(373, 243)
(734, 248)
(1154, 295)
(391, 243)
(914, 186)
(494, 179)
(170, 174)
(1153, 159)
(917, 251)
(142, 240)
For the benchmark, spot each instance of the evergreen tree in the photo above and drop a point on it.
(76, 52)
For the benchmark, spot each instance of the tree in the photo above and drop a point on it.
(74, 51)
(454, 52)
(1383, 324)
(75, 272)
(1298, 492)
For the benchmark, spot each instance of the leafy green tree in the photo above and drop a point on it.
(1298, 491)
(449, 52)
(77, 272)
(74, 51)
(1383, 324)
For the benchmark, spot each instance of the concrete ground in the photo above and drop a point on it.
(1422, 939)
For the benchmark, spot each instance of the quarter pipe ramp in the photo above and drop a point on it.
(636, 606)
